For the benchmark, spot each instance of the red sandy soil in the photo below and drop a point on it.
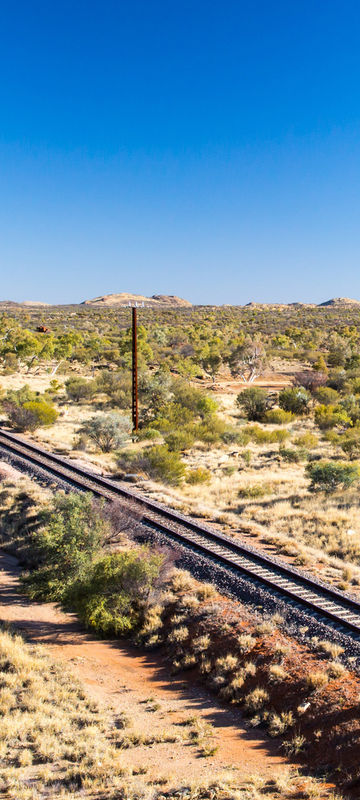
(121, 677)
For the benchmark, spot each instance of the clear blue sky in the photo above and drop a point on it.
(194, 147)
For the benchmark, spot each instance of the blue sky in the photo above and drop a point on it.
(205, 149)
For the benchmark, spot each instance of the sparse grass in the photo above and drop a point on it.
(47, 719)
(279, 723)
(256, 699)
(246, 642)
(316, 680)
(277, 673)
(330, 649)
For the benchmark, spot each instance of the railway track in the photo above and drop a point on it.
(280, 579)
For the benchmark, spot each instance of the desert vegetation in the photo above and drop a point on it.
(290, 689)
(58, 742)
(249, 416)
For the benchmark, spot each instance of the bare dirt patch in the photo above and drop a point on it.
(133, 683)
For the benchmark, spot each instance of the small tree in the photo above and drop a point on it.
(248, 360)
(253, 402)
(211, 362)
(310, 380)
(320, 365)
(108, 431)
(70, 539)
(79, 389)
(327, 476)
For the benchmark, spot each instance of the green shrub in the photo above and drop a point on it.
(307, 439)
(233, 436)
(145, 434)
(337, 379)
(327, 396)
(252, 402)
(117, 386)
(189, 400)
(329, 416)
(277, 416)
(43, 413)
(164, 465)
(28, 410)
(246, 455)
(293, 456)
(199, 475)
(20, 396)
(261, 436)
(80, 389)
(179, 440)
(329, 475)
(256, 490)
(65, 547)
(350, 442)
(211, 430)
(107, 431)
(297, 400)
(112, 596)
(354, 385)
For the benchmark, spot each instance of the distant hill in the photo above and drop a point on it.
(123, 299)
(340, 302)
(335, 302)
(28, 303)
(31, 303)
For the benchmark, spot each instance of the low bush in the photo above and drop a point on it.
(255, 700)
(112, 597)
(279, 723)
(293, 456)
(297, 400)
(256, 490)
(211, 431)
(327, 396)
(80, 389)
(350, 442)
(261, 436)
(179, 440)
(327, 417)
(308, 440)
(107, 431)
(316, 680)
(147, 434)
(329, 475)
(277, 416)
(163, 465)
(246, 642)
(31, 413)
(198, 475)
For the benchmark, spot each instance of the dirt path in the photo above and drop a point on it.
(123, 678)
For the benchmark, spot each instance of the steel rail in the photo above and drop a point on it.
(279, 577)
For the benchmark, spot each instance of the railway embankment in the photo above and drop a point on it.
(305, 698)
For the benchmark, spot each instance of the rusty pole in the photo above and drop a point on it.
(135, 401)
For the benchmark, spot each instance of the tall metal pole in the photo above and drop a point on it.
(135, 401)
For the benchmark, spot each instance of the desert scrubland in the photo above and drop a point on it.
(249, 417)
